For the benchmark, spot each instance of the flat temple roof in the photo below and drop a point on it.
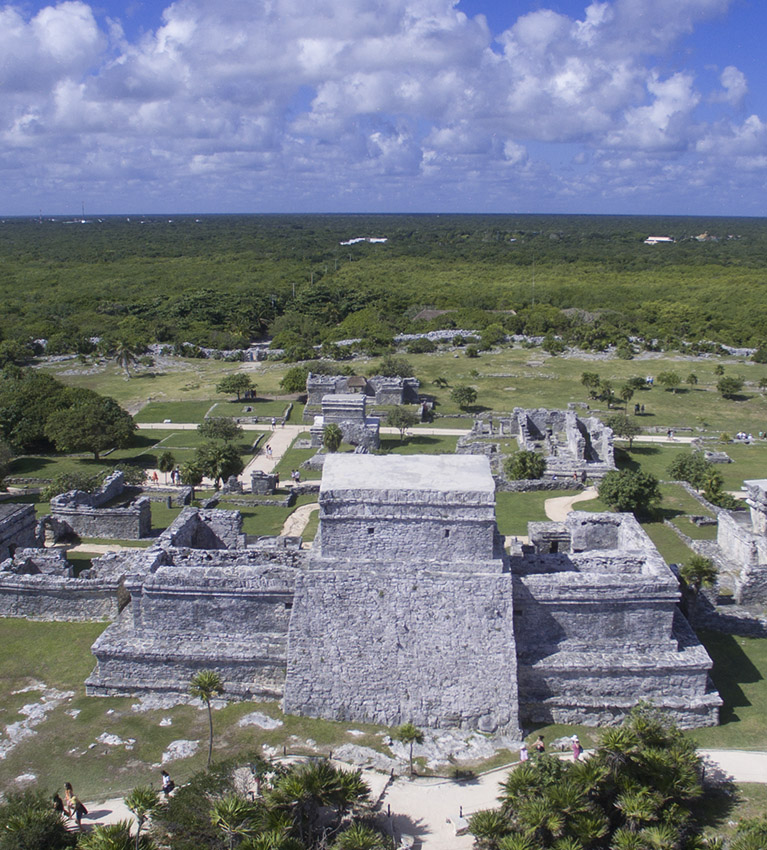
(440, 473)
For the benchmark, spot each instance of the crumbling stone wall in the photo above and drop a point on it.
(86, 514)
(205, 529)
(39, 584)
(18, 528)
(742, 542)
(381, 389)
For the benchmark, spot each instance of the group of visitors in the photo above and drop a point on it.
(70, 805)
(746, 438)
(73, 808)
(540, 747)
(295, 476)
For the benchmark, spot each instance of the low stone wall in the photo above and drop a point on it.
(131, 522)
(55, 598)
(531, 485)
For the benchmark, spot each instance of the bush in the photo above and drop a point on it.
(421, 346)
(729, 386)
(524, 465)
(471, 351)
(626, 490)
(691, 468)
(464, 397)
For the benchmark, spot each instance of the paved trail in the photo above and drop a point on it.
(560, 506)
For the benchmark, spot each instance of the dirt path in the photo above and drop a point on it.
(298, 520)
(558, 508)
(428, 809)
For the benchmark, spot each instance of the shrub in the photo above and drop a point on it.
(525, 465)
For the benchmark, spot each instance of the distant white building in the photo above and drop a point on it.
(658, 240)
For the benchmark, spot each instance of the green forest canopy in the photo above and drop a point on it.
(225, 280)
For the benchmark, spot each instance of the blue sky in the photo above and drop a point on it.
(610, 106)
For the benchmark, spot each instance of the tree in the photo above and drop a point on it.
(93, 423)
(220, 428)
(606, 392)
(626, 393)
(410, 734)
(28, 822)
(464, 396)
(719, 369)
(126, 354)
(698, 572)
(205, 685)
(294, 380)
(591, 381)
(401, 418)
(166, 463)
(692, 379)
(237, 383)
(729, 386)
(234, 816)
(6, 456)
(626, 490)
(191, 475)
(524, 465)
(142, 802)
(624, 427)
(440, 382)
(218, 462)
(394, 367)
(670, 380)
(114, 836)
(332, 437)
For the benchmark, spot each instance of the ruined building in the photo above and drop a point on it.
(407, 608)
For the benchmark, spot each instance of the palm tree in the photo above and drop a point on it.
(488, 826)
(540, 819)
(698, 572)
(113, 836)
(234, 816)
(360, 836)
(408, 733)
(516, 842)
(205, 685)
(142, 802)
(638, 807)
(166, 463)
(126, 354)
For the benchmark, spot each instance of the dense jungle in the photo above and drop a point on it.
(223, 281)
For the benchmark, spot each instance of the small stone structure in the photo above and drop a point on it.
(39, 584)
(262, 483)
(408, 608)
(381, 390)
(575, 448)
(18, 528)
(742, 543)
(348, 411)
(111, 512)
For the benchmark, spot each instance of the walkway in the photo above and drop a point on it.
(427, 809)
(560, 506)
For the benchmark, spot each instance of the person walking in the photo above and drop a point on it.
(167, 783)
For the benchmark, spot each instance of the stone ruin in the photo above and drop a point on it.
(379, 389)
(741, 545)
(407, 608)
(114, 511)
(18, 528)
(348, 411)
(575, 448)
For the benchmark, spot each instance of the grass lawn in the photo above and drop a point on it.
(262, 408)
(740, 676)
(514, 510)
(721, 811)
(57, 656)
(266, 520)
(418, 444)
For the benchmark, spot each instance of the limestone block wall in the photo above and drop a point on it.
(232, 618)
(403, 643)
(738, 541)
(131, 522)
(57, 598)
(405, 529)
(208, 528)
(18, 528)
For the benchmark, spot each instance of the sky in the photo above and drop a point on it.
(500, 106)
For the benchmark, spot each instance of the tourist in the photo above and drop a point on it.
(69, 795)
(167, 783)
(577, 748)
(274, 423)
(155, 479)
(58, 803)
(539, 746)
(523, 752)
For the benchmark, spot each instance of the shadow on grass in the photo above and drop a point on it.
(732, 668)
(141, 441)
(716, 807)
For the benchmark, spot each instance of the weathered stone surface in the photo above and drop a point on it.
(18, 528)
(92, 515)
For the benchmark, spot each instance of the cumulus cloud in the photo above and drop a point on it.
(283, 102)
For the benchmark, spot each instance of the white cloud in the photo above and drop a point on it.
(330, 98)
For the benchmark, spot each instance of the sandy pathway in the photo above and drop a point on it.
(558, 508)
(298, 520)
